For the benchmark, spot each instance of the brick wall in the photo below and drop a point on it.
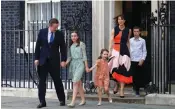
(13, 63)
(12, 14)
(78, 15)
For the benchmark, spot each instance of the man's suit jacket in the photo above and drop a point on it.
(43, 49)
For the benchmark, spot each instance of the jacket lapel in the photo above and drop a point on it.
(46, 36)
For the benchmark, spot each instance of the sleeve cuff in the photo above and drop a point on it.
(63, 58)
(143, 58)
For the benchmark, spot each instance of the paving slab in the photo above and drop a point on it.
(31, 103)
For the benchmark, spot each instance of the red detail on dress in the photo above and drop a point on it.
(121, 78)
(117, 40)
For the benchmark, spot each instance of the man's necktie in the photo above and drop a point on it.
(51, 38)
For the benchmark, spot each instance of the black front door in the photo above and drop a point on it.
(137, 13)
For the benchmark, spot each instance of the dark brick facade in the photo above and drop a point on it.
(13, 63)
(12, 16)
(78, 15)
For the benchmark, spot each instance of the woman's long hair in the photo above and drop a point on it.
(116, 18)
(78, 40)
(102, 50)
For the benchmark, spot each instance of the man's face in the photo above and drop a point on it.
(54, 27)
(136, 32)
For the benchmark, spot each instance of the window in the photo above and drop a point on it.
(37, 15)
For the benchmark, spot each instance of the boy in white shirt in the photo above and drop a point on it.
(138, 54)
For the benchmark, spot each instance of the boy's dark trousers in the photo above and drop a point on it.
(138, 78)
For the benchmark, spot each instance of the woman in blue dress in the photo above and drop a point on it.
(77, 61)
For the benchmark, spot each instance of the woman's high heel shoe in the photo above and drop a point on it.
(82, 103)
(71, 105)
(115, 92)
(122, 96)
(122, 93)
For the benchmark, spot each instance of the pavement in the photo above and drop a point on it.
(31, 103)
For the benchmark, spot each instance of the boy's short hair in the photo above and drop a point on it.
(136, 27)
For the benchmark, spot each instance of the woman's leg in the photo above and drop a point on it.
(122, 85)
(75, 91)
(81, 92)
(115, 87)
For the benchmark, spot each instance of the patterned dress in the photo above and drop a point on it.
(120, 62)
(77, 56)
(101, 77)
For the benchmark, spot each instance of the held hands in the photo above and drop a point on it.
(88, 70)
(63, 64)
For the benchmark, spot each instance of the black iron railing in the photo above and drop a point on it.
(162, 30)
(18, 68)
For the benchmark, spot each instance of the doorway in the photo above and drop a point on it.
(137, 13)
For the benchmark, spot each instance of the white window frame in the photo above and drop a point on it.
(27, 11)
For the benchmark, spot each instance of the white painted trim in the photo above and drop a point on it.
(154, 6)
(41, 1)
(97, 29)
(27, 12)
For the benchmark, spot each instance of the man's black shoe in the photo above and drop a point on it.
(41, 105)
(62, 103)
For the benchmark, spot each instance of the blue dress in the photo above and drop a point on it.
(77, 56)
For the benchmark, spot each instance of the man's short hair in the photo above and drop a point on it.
(53, 21)
(136, 27)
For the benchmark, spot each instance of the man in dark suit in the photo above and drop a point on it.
(47, 57)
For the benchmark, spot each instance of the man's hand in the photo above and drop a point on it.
(141, 62)
(36, 62)
(63, 64)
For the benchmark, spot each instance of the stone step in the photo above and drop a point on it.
(129, 98)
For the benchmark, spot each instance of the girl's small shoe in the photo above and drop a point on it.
(99, 104)
(82, 103)
(110, 100)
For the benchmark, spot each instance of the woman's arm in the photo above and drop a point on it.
(128, 42)
(83, 47)
(111, 41)
(69, 57)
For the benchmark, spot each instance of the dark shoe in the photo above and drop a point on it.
(41, 105)
(122, 96)
(137, 93)
(115, 92)
(62, 103)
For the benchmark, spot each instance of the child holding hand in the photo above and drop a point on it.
(101, 78)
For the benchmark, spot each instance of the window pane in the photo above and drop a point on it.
(39, 15)
(46, 11)
(34, 27)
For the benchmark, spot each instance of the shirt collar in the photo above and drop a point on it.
(137, 38)
(49, 31)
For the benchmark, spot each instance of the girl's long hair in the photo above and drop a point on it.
(102, 50)
(78, 40)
